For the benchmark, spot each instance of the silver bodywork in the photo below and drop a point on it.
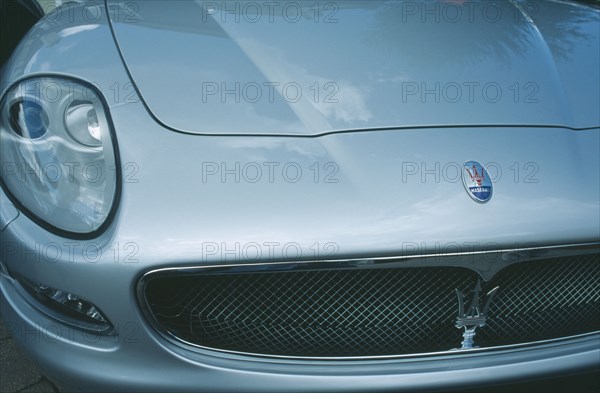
(387, 185)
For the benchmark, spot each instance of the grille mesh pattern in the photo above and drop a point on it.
(544, 300)
(329, 313)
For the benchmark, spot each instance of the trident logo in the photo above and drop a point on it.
(476, 176)
(475, 316)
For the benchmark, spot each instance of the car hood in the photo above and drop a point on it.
(302, 68)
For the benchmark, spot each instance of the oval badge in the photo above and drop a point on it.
(477, 181)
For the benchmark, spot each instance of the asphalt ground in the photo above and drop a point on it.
(17, 372)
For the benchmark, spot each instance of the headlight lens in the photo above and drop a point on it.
(67, 307)
(81, 120)
(28, 119)
(58, 158)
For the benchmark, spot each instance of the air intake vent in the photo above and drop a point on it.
(373, 312)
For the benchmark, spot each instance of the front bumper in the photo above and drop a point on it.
(137, 358)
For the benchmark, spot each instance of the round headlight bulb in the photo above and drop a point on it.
(81, 121)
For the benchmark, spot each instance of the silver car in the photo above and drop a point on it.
(303, 196)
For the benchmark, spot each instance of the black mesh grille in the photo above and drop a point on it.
(544, 300)
(331, 313)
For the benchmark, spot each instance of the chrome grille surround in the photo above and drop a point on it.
(224, 310)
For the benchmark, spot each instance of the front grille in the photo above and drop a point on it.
(373, 312)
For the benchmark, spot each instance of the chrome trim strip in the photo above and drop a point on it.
(492, 261)
(453, 351)
(503, 258)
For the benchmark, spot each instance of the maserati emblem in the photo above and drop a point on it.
(474, 316)
(477, 181)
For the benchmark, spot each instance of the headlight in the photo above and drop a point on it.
(59, 160)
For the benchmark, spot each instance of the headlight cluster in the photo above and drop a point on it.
(58, 157)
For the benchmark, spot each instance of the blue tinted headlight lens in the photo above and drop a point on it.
(28, 119)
